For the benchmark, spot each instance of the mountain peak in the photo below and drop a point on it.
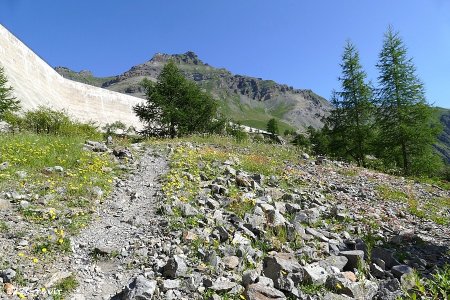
(189, 57)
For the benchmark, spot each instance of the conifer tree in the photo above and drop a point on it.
(404, 119)
(351, 120)
(272, 126)
(8, 103)
(175, 106)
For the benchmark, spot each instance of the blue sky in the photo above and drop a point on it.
(290, 41)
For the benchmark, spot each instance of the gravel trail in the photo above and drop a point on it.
(114, 246)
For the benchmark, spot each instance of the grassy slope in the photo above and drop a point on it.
(84, 77)
(254, 113)
(443, 145)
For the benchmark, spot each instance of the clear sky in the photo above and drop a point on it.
(297, 42)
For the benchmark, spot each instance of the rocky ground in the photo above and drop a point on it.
(208, 225)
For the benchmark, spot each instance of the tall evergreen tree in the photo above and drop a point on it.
(175, 106)
(8, 103)
(351, 120)
(404, 119)
(272, 126)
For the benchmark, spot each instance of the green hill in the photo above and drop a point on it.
(443, 145)
(251, 101)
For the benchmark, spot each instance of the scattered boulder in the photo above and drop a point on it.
(400, 270)
(259, 291)
(122, 153)
(175, 267)
(95, 146)
(354, 257)
(315, 274)
(139, 288)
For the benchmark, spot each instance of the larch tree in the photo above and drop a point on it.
(406, 132)
(272, 126)
(351, 121)
(8, 103)
(175, 106)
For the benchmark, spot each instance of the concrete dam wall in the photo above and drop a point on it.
(36, 83)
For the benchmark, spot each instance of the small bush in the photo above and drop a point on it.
(236, 131)
(45, 120)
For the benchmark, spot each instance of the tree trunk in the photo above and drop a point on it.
(172, 130)
(405, 159)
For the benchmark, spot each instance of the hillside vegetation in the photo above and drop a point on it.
(233, 220)
(251, 101)
(443, 145)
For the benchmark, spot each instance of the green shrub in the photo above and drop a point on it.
(45, 120)
(236, 131)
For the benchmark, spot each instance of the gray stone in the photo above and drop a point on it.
(173, 295)
(139, 288)
(211, 258)
(21, 174)
(170, 284)
(277, 262)
(332, 296)
(315, 274)
(4, 204)
(389, 290)
(293, 208)
(56, 277)
(188, 210)
(258, 178)
(239, 239)
(24, 204)
(95, 146)
(277, 266)
(387, 256)
(223, 234)
(273, 181)
(362, 290)
(400, 270)
(317, 234)
(222, 285)
(265, 281)
(376, 271)
(4, 165)
(243, 181)
(212, 204)
(262, 292)
(218, 189)
(249, 277)
(334, 261)
(97, 191)
(230, 262)
(8, 275)
(58, 169)
(175, 267)
(276, 218)
(122, 153)
(230, 171)
(354, 258)
(380, 263)
(284, 283)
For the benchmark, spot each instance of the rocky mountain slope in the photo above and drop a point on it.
(197, 219)
(252, 101)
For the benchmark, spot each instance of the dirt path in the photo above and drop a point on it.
(115, 245)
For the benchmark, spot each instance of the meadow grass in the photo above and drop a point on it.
(60, 202)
